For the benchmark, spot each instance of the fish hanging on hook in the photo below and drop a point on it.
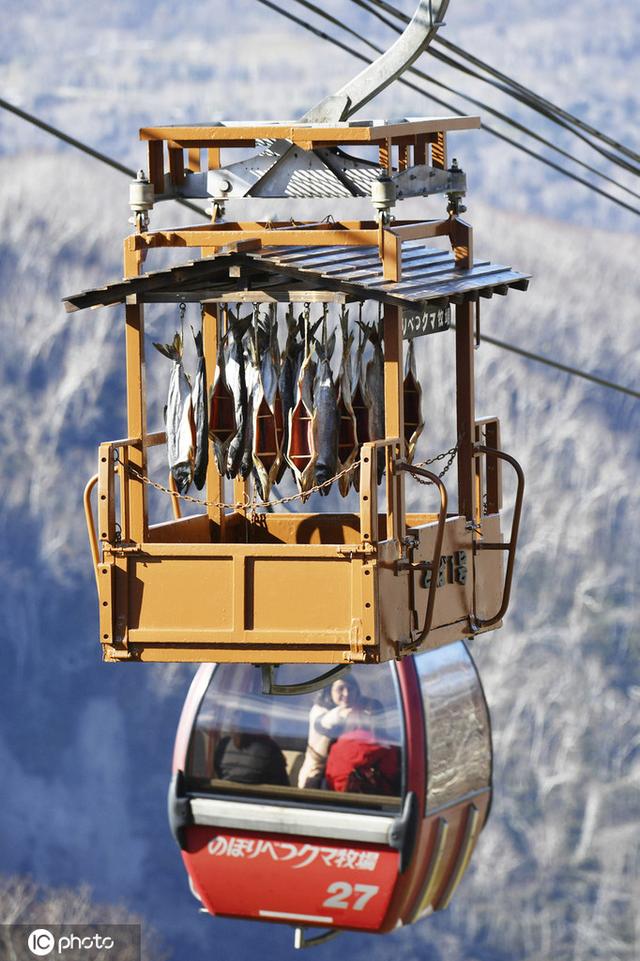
(268, 425)
(301, 450)
(374, 379)
(223, 425)
(412, 394)
(326, 421)
(201, 415)
(180, 424)
(360, 401)
(347, 427)
(236, 371)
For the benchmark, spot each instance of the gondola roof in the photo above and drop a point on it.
(339, 273)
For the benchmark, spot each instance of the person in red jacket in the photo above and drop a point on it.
(361, 762)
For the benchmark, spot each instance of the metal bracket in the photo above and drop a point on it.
(423, 180)
(304, 687)
(403, 833)
(178, 809)
(357, 92)
(300, 940)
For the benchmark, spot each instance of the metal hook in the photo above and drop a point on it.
(358, 91)
(304, 687)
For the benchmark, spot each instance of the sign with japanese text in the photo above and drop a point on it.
(308, 881)
(425, 319)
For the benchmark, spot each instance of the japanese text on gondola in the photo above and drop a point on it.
(297, 855)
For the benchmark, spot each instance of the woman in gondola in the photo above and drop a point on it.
(336, 707)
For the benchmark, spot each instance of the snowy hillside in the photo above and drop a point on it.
(85, 747)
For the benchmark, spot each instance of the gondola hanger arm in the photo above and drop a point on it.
(390, 65)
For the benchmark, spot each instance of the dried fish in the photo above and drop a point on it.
(347, 429)
(326, 421)
(223, 426)
(268, 426)
(412, 391)
(181, 433)
(199, 403)
(375, 390)
(301, 449)
(236, 379)
(289, 369)
(360, 401)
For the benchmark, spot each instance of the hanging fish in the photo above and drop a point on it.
(222, 416)
(412, 392)
(347, 428)
(287, 380)
(199, 403)
(268, 426)
(301, 450)
(327, 421)
(254, 344)
(374, 378)
(360, 401)
(181, 432)
(237, 382)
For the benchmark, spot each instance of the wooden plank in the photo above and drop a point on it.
(193, 159)
(391, 256)
(423, 231)
(465, 408)
(384, 155)
(136, 419)
(176, 165)
(155, 152)
(213, 158)
(461, 236)
(420, 150)
(439, 151)
(215, 487)
(222, 236)
(299, 133)
(394, 416)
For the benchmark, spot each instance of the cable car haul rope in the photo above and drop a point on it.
(336, 283)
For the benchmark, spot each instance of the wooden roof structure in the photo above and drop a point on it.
(429, 275)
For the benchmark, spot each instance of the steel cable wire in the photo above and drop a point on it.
(513, 88)
(412, 86)
(85, 148)
(478, 103)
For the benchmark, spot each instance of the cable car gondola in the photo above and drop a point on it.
(374, 833)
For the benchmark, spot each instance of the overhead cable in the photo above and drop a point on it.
(407, 83)
(478, 103)
(569, 117)
(574, 371)
(512, 87)
(79, 145)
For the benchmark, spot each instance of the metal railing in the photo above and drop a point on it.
(434, 564)
(477, 623)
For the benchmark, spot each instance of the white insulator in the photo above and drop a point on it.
(383, 194)
(141, 194)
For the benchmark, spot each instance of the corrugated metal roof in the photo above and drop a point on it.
(428, 275)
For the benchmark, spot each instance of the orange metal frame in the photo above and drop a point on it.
(325, 588)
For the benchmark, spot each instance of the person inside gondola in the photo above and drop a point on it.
(249, 757)
(336, 706)
(361, 761)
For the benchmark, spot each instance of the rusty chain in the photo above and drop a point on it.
(253, 504)
(451, 454)
(246, 504)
